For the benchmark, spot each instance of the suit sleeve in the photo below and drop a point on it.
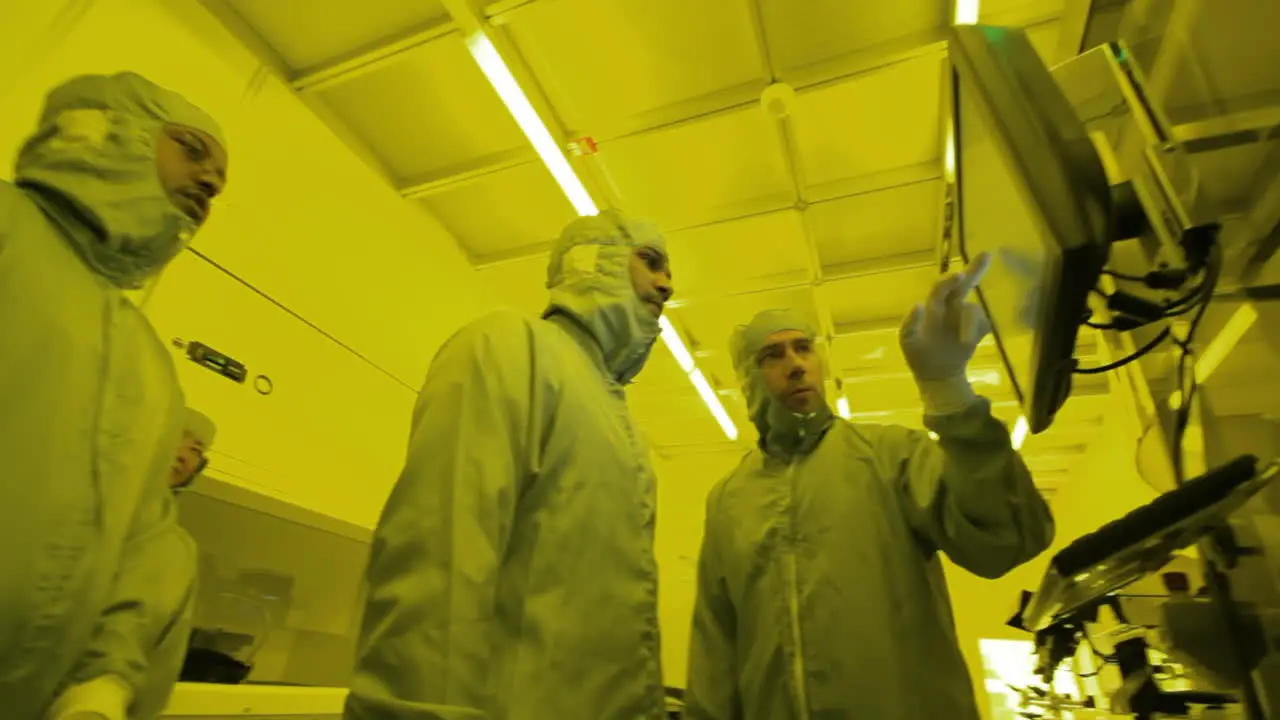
(712, 692)
(141, 636)
(970, 495)
(424, 648)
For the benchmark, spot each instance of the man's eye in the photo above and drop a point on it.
(194, 150)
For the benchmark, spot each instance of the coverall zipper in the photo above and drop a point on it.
(793, 603)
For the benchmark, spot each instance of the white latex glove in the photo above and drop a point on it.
(103, 698)
(940, 335)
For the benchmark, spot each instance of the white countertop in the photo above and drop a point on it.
(205, 700)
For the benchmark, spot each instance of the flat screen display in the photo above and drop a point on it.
(998, 216)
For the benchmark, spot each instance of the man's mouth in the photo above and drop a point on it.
(196, 205)
(657, 307)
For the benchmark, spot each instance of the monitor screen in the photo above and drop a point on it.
(1032, 194)
(998, 217)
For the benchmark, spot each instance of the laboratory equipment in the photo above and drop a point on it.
(1033, 193)
(1072, 180)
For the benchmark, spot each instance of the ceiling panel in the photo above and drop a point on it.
(600, 62)
(849, 352)
(826, 29)
(482, 216)
(709, 322)
(701, 171)
(1211, 62)
(731, 256)
(878, 297)
(718, 367)
(306, 33)
(1044, 38)
(432, 112)
(882, 120)
(891, 222)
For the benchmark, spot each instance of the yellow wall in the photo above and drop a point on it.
(304, 222)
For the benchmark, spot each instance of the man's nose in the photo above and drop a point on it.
(664, 288)
(209, 182)
(796, 368)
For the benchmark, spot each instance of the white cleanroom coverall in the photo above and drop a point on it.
(512, 575)
(820, 588)
(96, 575)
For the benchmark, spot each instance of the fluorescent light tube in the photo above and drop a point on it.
(1225, 341)
(684, 359)
(842, 407)
(713, 403)
(672, 340)
(1020, 430)
(966, 12)
(504, 83)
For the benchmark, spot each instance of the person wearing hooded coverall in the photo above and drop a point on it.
(512, 574)
(112, 185)
(820, 591)
(198, 431)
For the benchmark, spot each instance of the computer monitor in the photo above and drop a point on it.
(1032, 192)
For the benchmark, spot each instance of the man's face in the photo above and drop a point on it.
(651, 278)
(792, 371)
(189, 462)
(192, 168)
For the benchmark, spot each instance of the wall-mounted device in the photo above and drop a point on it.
(224, 365)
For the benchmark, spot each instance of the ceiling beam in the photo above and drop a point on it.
(1075, 21)
(504, 12)
(258, 46)
(374, 57)
(747, 95)
(825, 193)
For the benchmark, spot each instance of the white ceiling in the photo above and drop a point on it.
(834, 213)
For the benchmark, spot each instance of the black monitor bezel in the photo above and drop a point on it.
(1050, 149)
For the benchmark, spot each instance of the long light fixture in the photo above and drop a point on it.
(684, 359)
(966, 12)
(504, 83)
(1218, 348)
(842, 407)
(1021, 428)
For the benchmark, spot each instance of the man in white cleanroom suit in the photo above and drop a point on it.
(512, 574)
(95, 572)
(820, 590)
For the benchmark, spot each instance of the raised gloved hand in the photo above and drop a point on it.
(939, 337)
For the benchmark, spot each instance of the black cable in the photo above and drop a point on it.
(1123, 276)
(1138, 354)
(1187, 387)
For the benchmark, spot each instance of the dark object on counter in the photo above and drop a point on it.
(212, 666)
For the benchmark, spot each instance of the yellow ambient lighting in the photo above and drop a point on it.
(1019, 434)
(504, 83)
(684, 359)
(966, 12)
